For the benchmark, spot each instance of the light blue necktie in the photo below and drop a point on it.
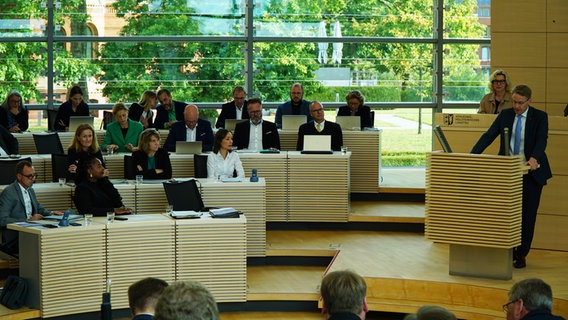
(518, 129)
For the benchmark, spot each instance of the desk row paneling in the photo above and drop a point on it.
(74, 264)
(27, 144)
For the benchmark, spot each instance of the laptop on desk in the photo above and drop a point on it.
(76, 121)
(293, 122)
(230, 124)
(188, 147)
(320, 144)
(349, 123)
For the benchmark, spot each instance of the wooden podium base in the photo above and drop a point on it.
(481, 262)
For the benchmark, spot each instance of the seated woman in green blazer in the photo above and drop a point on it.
(123, 134)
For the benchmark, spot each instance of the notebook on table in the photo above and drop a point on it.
(349, 123)
(76, 121)
(293, 122)
(317, 144)
(188, 147)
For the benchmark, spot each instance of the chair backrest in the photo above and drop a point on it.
(8, 169)
(184, 195)
(59, 167)
(200, 165)
(51, 115)
(129, 167)
(372, 118)
(108, 117)
(48, 143)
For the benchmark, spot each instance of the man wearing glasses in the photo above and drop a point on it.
(236, 109)
(319, 126)
(256, 134)
(191, 129)
(528, 130)
(18, 203)
(530, 299)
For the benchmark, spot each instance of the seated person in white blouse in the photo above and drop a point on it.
(223, 163)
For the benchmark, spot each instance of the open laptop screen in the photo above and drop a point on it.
(349, 123)
(188, 147)
(293, 122)
(76, 121)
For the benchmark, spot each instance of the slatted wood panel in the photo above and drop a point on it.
(115, 165)
(182, 165)
(273, 168)
(213, 251)
(150, 199)
(318, 187)
(365, 157)
(72, 269)
(143, 246)
(248, 197)
(473, 199)
(54, 197)
(27, 144)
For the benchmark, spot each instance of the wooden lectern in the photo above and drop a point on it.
(474, 203)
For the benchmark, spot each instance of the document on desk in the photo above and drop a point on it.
(237, 179)
(188, 214)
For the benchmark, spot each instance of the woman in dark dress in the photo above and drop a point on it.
(95, 193)
(152, 161)
(142, 111)
(14, 114)
(355, 107)
(74, 106)
(83, 146)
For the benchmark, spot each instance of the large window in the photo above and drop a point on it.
(399, 53)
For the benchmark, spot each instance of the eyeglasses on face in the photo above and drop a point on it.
(499, 81)
(506, 306)
(519, 102)
(31, 176)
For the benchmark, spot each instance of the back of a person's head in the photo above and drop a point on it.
(434, 313)
(143, 295)
(186, 300)
(535, 293)
(343, 291)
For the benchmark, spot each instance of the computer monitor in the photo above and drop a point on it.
(293, 122)
(76, 121)
(230, 124)
(188, 147)
(349, 123)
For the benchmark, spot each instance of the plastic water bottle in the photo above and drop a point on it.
(254, 176)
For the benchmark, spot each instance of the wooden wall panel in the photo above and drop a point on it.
(518, 16)
(516, 49)
(556, 85)
(557, 152)
(557, 49)
(556, 109)
(550, 232)
(553, 199)
(557, 15)
(535, 78)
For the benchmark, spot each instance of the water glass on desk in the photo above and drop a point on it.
(62, 182)
(88, 219)
(139, 179)
(110, 217)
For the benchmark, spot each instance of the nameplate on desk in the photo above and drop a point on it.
(237, 179)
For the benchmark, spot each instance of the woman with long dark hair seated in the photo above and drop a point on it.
(223, 162)
(152, 161)
(95, 193)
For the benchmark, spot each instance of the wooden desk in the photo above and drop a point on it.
(71, 265)
(462, 132)
(27, 144)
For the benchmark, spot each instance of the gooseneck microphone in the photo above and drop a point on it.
(506, 141)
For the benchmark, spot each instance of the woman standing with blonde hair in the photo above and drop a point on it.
(142, 110)
(500, 96)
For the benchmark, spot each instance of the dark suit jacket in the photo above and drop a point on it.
(536, 135)
(8, 142)
(178, 133)
(12, 209)
(135, 112)
(162, 160)
(286, 109)
(97, 198)
(78, 158)
(162, 114)
(228, 111)
(363, 112)
(270, 137)
(65, 112)
(330, 128)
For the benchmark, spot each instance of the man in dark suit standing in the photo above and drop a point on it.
(18, 203)
(8, 143)
(236, 109)
(529, 133)
(256, 134)
(191, 129)
(319, 126)
(168, 111)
